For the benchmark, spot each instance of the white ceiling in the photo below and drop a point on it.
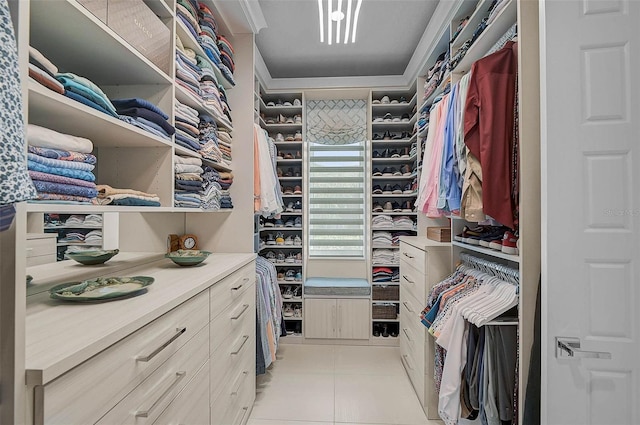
(389, 32)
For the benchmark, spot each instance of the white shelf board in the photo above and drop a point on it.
(377, 144)
(77, 244)
(384, 284)
(408, 177)
(188, 41)
(291, 300)
(46, 207)
(297, 144)
(79, 226)
(394, 229)
(216, 166)
(72, 46)
(487, 251)
(190, 100)
(397, 195)
(374, 246)
(53, 110)
(393, 213)
(290, 179)
(502, 323)
(284, 265)
(480, 12)
(386, 320)
(279, 228)
(393, 126)
(285, 110)
(490, 36)
(289, 282)
(386, 265)
(394, 160)
(297, 319)
(283, 127)
(398, 108)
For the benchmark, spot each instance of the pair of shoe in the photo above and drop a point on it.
(384, 330)
(498, 238)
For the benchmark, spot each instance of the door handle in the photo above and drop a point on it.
(179, 331)
(569, 347)
(244, 308)
(407, 279)
(177, 378)
(407, 307)
(408, 256)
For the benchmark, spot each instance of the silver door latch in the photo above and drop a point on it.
(569, 347)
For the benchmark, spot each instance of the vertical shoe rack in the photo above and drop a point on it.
(277, 115)
(394, 170)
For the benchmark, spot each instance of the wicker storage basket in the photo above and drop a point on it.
(384, 311)
(386, 292)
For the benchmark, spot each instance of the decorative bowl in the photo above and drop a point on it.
(188, 257)
(90, 258)
(101, 289)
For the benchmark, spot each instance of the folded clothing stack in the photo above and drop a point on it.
(43, 71)
(395, 238)
(108, 195)
(384, 274)
(224, 142)
(85, 91)
(188, 182)
(381, 221)
(217, 48)
(187, 13)
(94, 237)
(226, 179)
(145, 115)
(384, 256)
(209, 143)
(60, 166)
(381, 238)
(188, 72)
(212, 191)
(187, 119)
(403, 222)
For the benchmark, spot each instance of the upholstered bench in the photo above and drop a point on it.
(336, 287)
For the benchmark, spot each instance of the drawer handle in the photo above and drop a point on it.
(406, 360)
(245, 307)
(245, 338)
(407, 279)
(245, 280)
(407, 307)
(407, 334)
(145, 413)
(237, 390)
(179, 331)
(408, 256)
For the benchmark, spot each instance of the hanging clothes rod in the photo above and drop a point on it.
(501, 271)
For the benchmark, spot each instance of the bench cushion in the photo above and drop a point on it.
(330, 286)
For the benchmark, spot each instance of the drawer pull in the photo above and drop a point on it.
(408, 256)
(407, 334)
(177, 379)
(237, 390)
(245, 338)
(407, 279)
(406, 360)
(236, 288)
(407, 307)
(179, 331)
(244, 308)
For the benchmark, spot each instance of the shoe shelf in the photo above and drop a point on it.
(284, 145)
(385, 265)
(394, 126)
(385, 246)
(292, 300)
(289, 161)
(397, 195)
(407, 177)
(386, 320)
(395, 229)
(283, 127)
(280, 228)
(289, 282)
(267, 247)
(393, 160)
(487, 251)
(394, 213)
(384, 284)
(293, 318)
(290, 179)
(285, 110)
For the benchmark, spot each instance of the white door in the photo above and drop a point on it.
(590, 60)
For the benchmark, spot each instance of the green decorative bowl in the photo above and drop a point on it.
(188, 257)
(101, 289)
(90, 258)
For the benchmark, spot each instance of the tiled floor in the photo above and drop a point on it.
(345, 385)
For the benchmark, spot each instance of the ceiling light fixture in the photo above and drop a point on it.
(337, 16)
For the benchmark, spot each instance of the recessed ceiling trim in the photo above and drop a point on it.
(253, 12)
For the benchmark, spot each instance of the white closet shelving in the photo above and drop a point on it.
(273, 108)
(394, 177)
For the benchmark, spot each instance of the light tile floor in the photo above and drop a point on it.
(336, 384)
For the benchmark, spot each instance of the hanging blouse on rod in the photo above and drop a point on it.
(267, 192)
(470, 299)
(269, 314)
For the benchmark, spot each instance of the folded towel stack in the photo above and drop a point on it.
(145, 115)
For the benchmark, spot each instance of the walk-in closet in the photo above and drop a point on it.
(331, 212)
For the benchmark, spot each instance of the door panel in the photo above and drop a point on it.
(319, 318)
(590, 114)
(353, 318)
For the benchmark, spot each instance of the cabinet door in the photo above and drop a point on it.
(353, 318)
(320, 318)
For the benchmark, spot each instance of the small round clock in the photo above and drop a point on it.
(188, 242)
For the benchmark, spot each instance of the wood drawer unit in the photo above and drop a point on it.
(191, 406)
(231, 288)
(41, 248)
(233, 405)
(230, 355)
(104, 380)
(149, 399)
(423, 263)
(232, 319)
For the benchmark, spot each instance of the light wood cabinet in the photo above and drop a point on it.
(342, 318)
(423, 263)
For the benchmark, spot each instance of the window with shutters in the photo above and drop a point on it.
(336, 140)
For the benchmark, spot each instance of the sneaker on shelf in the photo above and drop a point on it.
(297, 102)
(279, 238)
(271, 104)
(268, 223)
(467, 233)
(279, 172)
(278, 222)
(510, 243)
(395, 119)
(396, 136)
(279, 137)
(287, 103)
(297, 190)
(408, 188)
(288, 240)
(290, 275)
(394, 153)
(496, 244)
(289, 223)
(289, 172)
(271, 256)
(296, 292)
(289, 207)
(388, 171)
(280, 257)
(376, 330)
(377, 190)
(287, 311)
(288, 190)
(397, 189)
(290, 120)
(297, 119)
(298, 155)
(270, 239)
(405, 152)
(385, 100)
(280, 274)
(496, 233)
(376, 136)
(298, 277)
(262, 243)
(377, 172)
(388, 117)
(297, 240)
(394, 101)
(297, 205)
(298, 222)
(407, 206)
(403, 99)
(291, 258)
(387, 135)
(388, 207)
(377, 208)
(297, 311)
(405, 118)
(376, 154)
(287, 293)
(396, 207)
(289, 138)
(297, 137)
(396, 172)
(299, 258)
(387, 190)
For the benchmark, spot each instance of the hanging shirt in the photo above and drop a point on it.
(449, 193)
(489, 128)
